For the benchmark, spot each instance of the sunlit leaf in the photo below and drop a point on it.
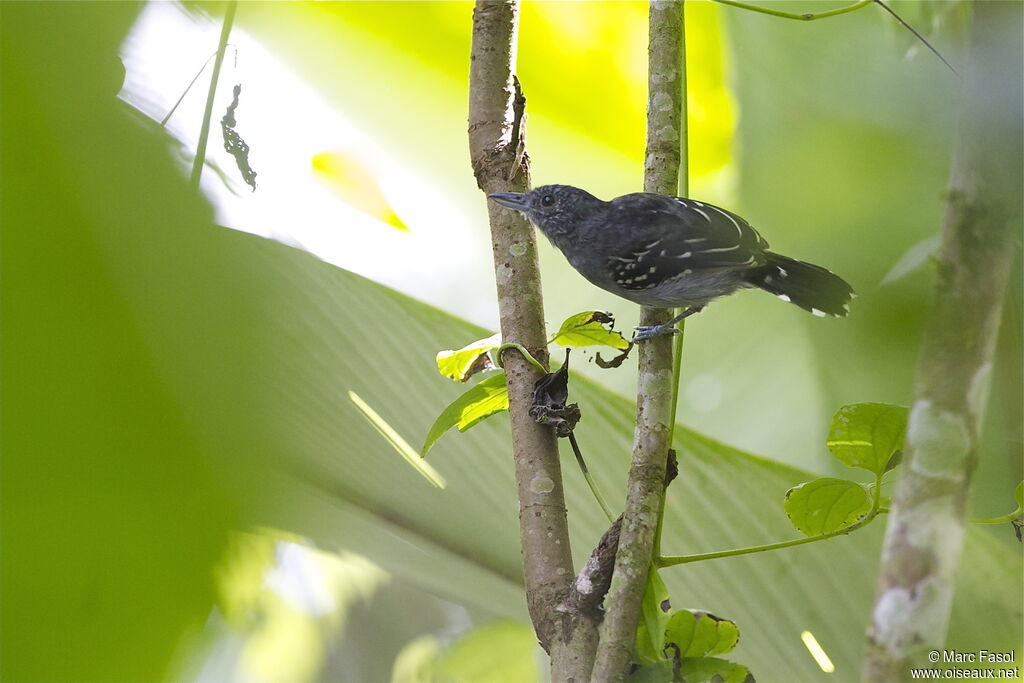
(500, 652)
(868, 435)
(589, 328)
(480, 401)
(713, 670)
(826, 505)
(355, 182)
(462, 364)
(698, 634)
(650, 631)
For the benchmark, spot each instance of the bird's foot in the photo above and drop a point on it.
(650, 331)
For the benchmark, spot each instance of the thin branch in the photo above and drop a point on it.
(919, 36)
(804, 16)
(646, 487)
(204, 132)
(497, 150)
(876, 509)
(811, 16)
(980, 238)
(164, 120)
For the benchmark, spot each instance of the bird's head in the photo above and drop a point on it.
(557, 210)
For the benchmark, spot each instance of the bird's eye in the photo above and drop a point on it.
(547, 200)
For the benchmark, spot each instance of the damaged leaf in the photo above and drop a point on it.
(589, 328)
(234, 144)
(462, 364)
(696, 633)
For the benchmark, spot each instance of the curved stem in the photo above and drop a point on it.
(876, 509)
(521, 349)
(806, 16)
(1000, 520)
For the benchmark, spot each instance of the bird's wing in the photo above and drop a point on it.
(682, 236)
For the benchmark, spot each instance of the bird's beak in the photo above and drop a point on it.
(512, 200)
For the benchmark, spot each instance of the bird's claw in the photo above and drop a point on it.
(649, 331)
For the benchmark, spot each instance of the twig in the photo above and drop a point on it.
(919, 36)
(204, 132)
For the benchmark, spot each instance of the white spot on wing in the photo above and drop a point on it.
(686, 255)
(739, 230)
(820, 314)
(785, 298)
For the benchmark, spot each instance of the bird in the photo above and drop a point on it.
(671, 252)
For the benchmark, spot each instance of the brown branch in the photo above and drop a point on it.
(497, 149)
(924, 535)
(646, 488)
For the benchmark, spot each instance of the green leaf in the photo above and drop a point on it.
(868, 435)
(825, 505)
(487, 397)
(462, 364)
(662, 671)
(590, 328)
(713, 670)
(1018, 494)
(697, 633)
(503, 651)
(650, 631)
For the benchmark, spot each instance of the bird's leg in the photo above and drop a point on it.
(648, 331)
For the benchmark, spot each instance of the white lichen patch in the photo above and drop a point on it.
(542, 484)
(932, 526)
(503, 274)
(662, 101)
(907, 620)
(940, 441)
(517, 248)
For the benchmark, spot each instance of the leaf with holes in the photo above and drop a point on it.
(487, 397)
(650, 632)
(697, 633)
(590, 328)
(826, 505)
(470, 359)
(868, 435)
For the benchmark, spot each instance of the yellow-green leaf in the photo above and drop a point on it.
(462, 364)
(589, 328)
(868, 435)
(826, 505)
(699, 634)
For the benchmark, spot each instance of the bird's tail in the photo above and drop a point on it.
(810, 287)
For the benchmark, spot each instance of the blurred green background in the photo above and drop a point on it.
(190, 493)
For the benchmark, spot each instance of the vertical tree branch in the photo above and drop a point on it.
(646, 488)
(496, 120)
(924, 535)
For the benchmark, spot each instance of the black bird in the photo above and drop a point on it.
(671, 252)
